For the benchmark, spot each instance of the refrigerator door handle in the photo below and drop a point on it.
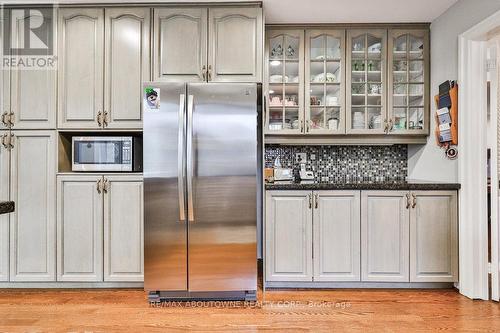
(189, 158)
(180, 159)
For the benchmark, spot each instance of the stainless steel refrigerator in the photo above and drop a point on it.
(201, 165)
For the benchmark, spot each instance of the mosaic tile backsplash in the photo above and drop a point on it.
(340, 164)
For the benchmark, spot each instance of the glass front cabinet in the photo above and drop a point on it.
(347, 82)
(408, 81)
(366, 82)
(285, 82)
(325, 82)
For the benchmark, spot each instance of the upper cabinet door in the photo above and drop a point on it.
(337, 249)
(384, 236)
(235, 50)
(127, 63)
(32, 188)
(366, 82)
(123, 228)
(325, 83)
(180, 44)
(288, 233)
(284, 87)
(408, 79)
(33, 91)
(434, 237)
(81, 50)
(4, 219)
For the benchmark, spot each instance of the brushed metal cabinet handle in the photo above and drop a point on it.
(204, 72)
(414, 204)
(5, 117)
(209, 72)
(12, 118)
(105, 185)
(316, 201)
(11, 142)
(408, 200)
(99, 186)
(310, 201)
(105, 119)
(99, 118)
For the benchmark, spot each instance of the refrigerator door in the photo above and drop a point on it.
(165, 226)
(222, 187)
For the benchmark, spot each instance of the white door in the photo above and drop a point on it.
(434, 236)
(32, 91)
(336, 238)
(180, 44)
(32, 188)
(123, 228)
(79, 228)
(127, 65)
(81, 58)
(4, 196)
(288, 233)
(235, 44)
(384, 236)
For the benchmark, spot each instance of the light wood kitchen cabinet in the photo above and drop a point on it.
(336, 236)
(127, 65)
(79, 228)
(32, 188)
(29, 96)
(408, 81)
(100, 228)
(366, 82)
(180, 44)
(235, 44)
(385, 236)
(123, 229)
(81, 67)
(325, 81)
(225, 44)
(434, 237)
(288, 236)
(284, 88)
(4, 196)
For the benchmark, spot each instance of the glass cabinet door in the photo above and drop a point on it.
(284, 82)
(408, 82)
(324, 82)
(366, 86)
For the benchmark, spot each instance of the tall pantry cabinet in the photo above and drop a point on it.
(27, 164)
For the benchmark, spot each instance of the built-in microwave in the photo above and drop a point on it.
(105, 153)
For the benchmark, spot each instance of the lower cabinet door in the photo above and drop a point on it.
(336, 240)
(123, 228)
(4, 219)
(434, 237)
(79, 228)
(384, 236)
(33, 224)
(288, 233)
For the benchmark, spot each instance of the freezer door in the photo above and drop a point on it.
(222, 186)
(165, 227)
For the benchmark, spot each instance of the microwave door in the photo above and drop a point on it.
(165, 230)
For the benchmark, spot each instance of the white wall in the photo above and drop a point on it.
(428, 162)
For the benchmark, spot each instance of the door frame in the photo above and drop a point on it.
(472, 172)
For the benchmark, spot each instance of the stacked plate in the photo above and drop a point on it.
(358, 120)
(376, 122)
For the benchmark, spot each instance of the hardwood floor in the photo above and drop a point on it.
(297, 311)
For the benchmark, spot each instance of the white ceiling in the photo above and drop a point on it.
(354, 11)
(323, 11)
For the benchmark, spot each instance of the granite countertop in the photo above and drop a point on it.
(411, 185)
(6, 207)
